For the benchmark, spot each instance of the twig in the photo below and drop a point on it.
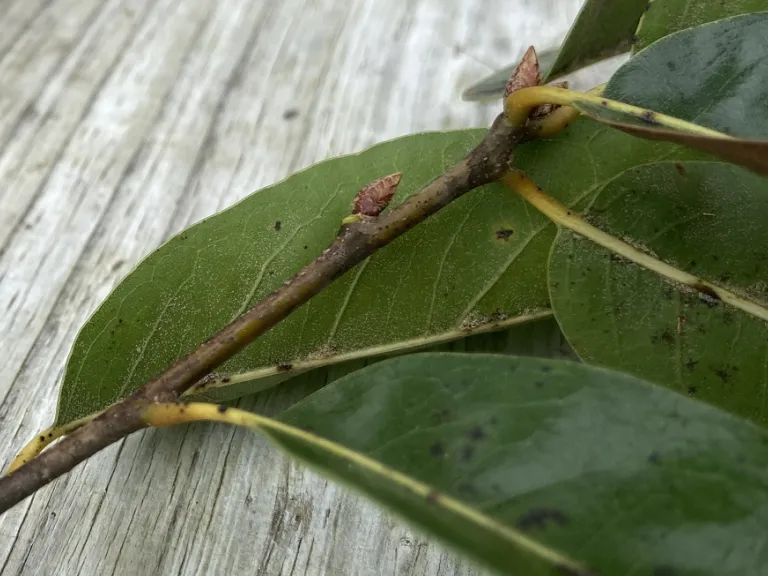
(355, 242)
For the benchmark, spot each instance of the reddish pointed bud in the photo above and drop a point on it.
(374, 197)
(526, 74)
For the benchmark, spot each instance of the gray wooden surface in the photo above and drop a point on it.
(121, 122)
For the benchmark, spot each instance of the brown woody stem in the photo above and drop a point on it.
(355, 242)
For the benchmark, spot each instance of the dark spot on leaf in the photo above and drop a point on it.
(290, 114)
(278, 225)
(538, 518)
(467, 453)
(504, 233)
(647, 7)
(119, 320)
(618, 259)
(692, 263)
(680, 167)
(653, 457)
(709, 296)
(222, 408)
(649, 117)
(50, 434)
(546, 368)
(691, 364)
(226, 379)
(305, 246)
(692, 390)
(539, 384)
(433, 497)
(604, 102)
(477, 433)
(467, 488)
(723, 374)
(436, 449)
(565, 570)
(667, 337)
(284, 367)
(42, 438)
(442, 416)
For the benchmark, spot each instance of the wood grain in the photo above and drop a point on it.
(122, 122)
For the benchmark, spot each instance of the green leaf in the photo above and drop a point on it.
(428, 286)
(464, 257)
(752, 154)
(709, 75)
(713, 75)
(603, 28)
(663, 17)
(706, 219)
(545, 467)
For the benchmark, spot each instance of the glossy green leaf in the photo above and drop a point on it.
(603, 28)
(492, 87)
(429, 286)
(482, 259)
(714, 75)
(752, 154)
(565, 468)
(707, 219)
(663, 17)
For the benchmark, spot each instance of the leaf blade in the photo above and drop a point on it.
(103, 363)
(556, 454)
(698, 217)
(709, 75)
(602, 29)
(665, 17)
(752, 154)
